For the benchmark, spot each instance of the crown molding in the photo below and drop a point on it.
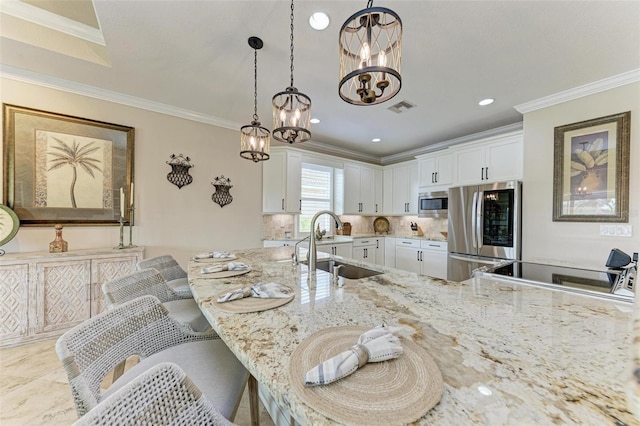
(580, 91)
(52, 21)
(334, 150)
(24, 76)
(410, 155)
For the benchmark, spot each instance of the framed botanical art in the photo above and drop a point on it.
(67, 170)
(591, 170)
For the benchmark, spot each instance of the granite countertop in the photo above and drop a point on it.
(509, 354)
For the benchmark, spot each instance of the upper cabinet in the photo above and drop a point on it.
(495, 160)
(402, 183)
(436, 170)
(362, 189)
(281, 182)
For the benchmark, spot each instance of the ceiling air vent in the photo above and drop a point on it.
(401, 107)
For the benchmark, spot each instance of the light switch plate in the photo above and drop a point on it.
(616, 230)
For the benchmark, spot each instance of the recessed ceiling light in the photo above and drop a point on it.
(375, 140)
(486, 102)
(314, 120)
(319, 21)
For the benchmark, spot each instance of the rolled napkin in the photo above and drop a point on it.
(214, 255)
(231, 266)
(378, 344)
(260, 290)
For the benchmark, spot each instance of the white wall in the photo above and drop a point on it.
(577, 243)
(167, 219)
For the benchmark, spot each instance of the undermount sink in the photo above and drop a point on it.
(351, 272)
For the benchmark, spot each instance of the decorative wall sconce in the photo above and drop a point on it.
(222, 196)
(179, 175)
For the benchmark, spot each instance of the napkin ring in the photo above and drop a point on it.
(362, 353)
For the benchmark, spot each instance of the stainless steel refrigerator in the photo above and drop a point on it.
(484, 227)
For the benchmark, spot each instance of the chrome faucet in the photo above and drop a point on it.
(312, 255)
(294, 256)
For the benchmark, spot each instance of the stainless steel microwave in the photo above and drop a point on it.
(433, 204)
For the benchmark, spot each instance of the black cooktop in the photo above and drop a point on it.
(575, 278)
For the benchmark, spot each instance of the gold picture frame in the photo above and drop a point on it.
(591, 170)
(64, 169)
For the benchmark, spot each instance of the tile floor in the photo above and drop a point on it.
(34, 389)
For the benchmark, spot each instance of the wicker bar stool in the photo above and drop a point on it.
(150, 282)
(171, 271)
(142, 327)
(163, 394)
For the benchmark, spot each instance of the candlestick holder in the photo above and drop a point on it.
(121, 245)
(131, 209)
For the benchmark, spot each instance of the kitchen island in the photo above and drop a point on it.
(508, 354)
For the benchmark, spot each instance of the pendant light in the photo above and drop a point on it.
(370, 45)
(291, 110)
(255, 139)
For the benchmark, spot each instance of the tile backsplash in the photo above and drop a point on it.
(275, 226)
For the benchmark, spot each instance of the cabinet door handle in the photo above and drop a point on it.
(486, 173)
(377, 244)
(421, 254)
(418, 256)
(436, 173)
(366, 253)
(376, 207)
(482, 173)
(300, 203)
(433, 177)
(283, 204)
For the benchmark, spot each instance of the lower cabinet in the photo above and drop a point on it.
(43, 294)
(364, 249)
(338, 249)
(423, 257)
(390, 252)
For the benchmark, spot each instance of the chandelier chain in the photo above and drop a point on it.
(291, 43)
(255, 84)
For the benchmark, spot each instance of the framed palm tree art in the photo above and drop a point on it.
(64, 169)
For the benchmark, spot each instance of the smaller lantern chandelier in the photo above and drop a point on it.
(370, 44)
(255, 139)
(291, 110)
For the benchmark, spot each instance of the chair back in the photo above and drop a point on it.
(90, 350)
(164, 393)
(139, 283)
(166, 265)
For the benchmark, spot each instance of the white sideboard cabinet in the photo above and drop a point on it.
(44, 294)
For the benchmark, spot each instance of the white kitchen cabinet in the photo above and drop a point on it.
(361, 195)
(390, 252)
(281, 183)
(436, 170)
(378, 188)
(278, 243)
(424, 257)
(380, 251)
(408, 254)
(498, 159)
(338, 249)
(404, 189)
(434, 258)
(364, 249)
(43, 294)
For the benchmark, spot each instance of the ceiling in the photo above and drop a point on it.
(193, 57)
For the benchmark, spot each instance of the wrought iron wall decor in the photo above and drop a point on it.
(222, 195)
(179, 175)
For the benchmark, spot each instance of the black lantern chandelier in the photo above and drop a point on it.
(291, 110)
(370, 50)
(255, 140)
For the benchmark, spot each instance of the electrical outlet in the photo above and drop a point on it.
(616, 230)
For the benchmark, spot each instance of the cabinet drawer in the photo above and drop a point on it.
(434, 245)
(407, 242)
(361, 242)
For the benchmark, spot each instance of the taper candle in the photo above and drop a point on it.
(121, 202)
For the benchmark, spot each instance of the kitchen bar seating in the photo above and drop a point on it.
(150, 282)
(142, 327)
(164, 394)
(171, 271)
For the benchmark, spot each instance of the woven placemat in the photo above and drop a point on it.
(248, 304)
(390, 392)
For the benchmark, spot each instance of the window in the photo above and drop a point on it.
(316, 195)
